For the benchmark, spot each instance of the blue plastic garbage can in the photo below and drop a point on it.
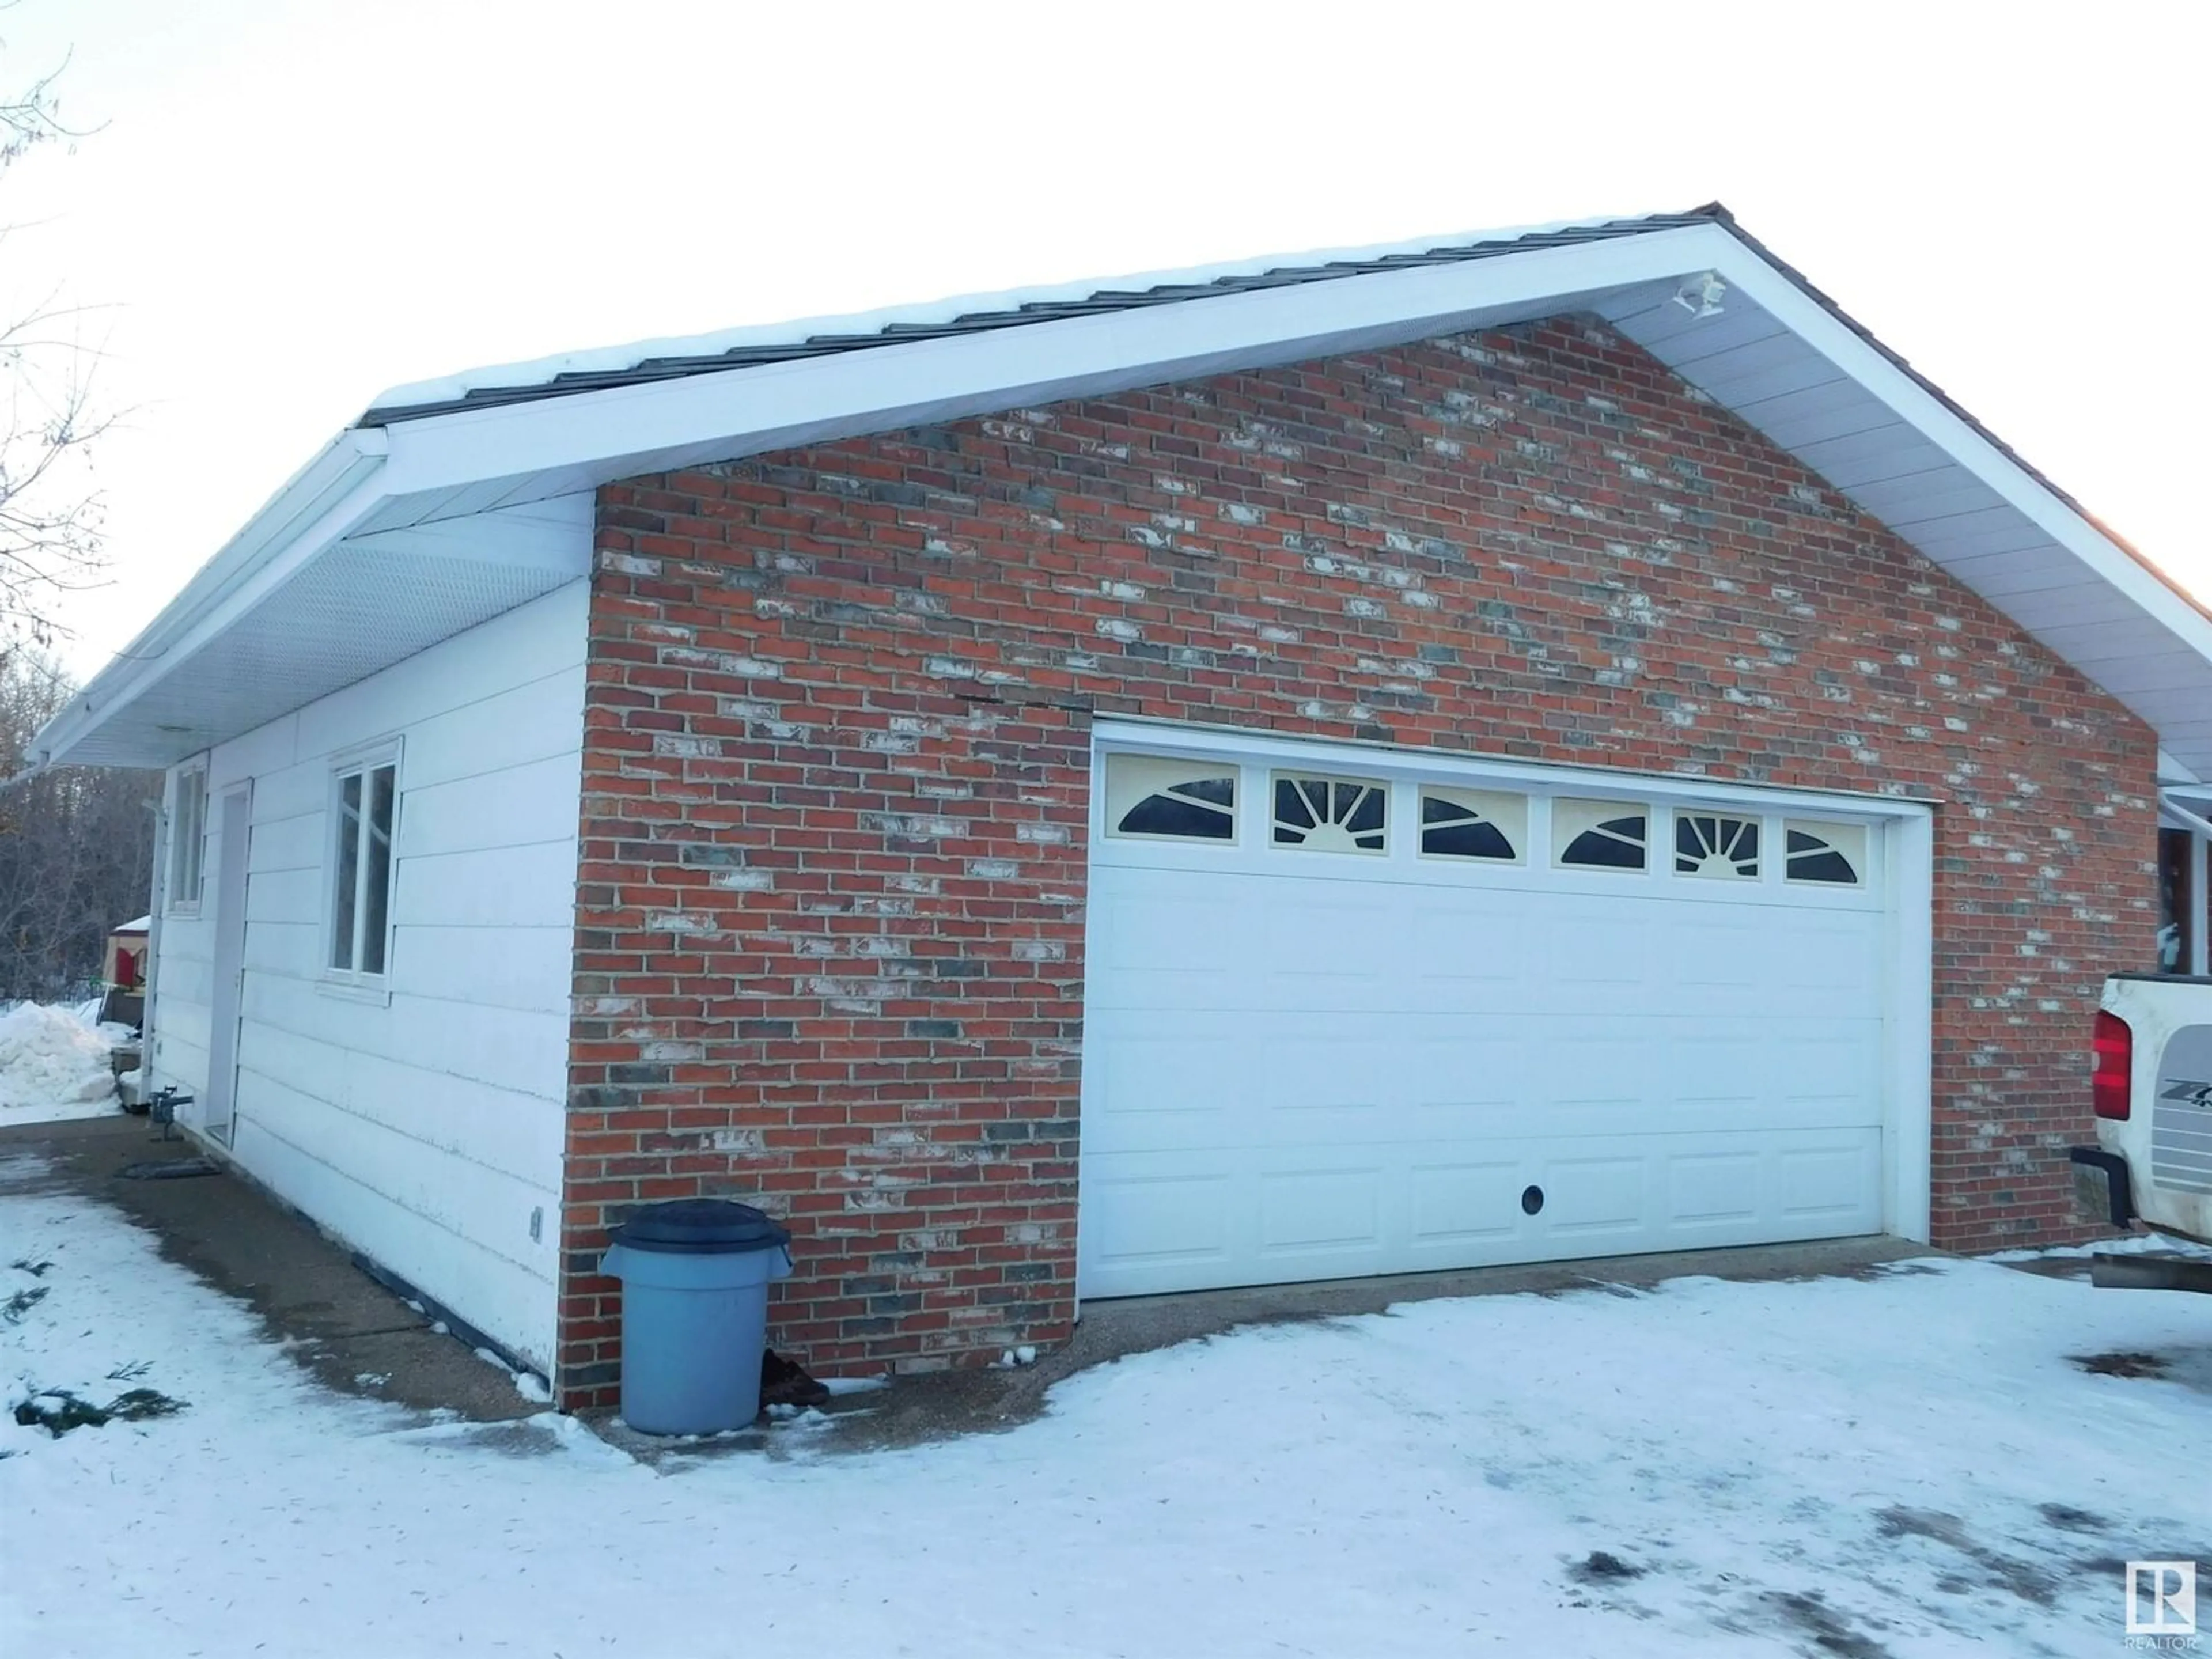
(695, 1276)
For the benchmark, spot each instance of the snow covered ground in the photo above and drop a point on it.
(1908, 1464)
(53, 1063)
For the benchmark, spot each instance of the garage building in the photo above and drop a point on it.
(1543, 744)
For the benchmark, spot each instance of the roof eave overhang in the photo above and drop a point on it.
(2033, 497)
(500, 457)
(315, 507)
(310, 598)
(465, 460)
(485, 454)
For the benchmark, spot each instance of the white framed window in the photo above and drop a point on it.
(1159, 798)
(364, 814)
(188, 839)
(1600, 835)
(1330, 814)
(1487, 824)
(1832, 855)
(1725, 845)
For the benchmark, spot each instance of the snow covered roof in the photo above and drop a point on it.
(642, 361)
(453, 500)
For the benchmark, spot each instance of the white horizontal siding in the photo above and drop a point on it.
(473, 1039)
(423, 1127)
(501, 1129)
(518, 968)
(469, 814)
(524, 725)
(530, 886)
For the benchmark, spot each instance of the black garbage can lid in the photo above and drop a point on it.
(701, 1226)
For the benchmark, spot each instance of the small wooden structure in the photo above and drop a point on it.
(124, 972)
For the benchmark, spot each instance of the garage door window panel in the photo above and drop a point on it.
(1827, 854)
(1320, 814)
(1716, 844)
(1479, 825)
(1601, 835)
(1149, 797)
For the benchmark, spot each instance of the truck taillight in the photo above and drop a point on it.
(2114, 1045)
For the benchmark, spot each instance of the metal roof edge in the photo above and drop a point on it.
(649, 360)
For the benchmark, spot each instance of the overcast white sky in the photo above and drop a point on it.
(287, 206)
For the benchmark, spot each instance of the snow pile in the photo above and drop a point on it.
(53, 1064)
(530, 1386)
(1923, 1462)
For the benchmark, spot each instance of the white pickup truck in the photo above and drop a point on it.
(2152, 1091)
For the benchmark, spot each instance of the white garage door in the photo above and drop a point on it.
(1350, 1012)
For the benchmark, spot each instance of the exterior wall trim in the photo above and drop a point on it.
(1909, 1153)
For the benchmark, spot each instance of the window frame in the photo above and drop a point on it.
(1856, 847)
(2185, 898)
(1514, 825)
(1653, 814)
(186, 841)
(362, 763)
(1153, 774)
(1382, 789)
(1744, 818)
(1549, 791)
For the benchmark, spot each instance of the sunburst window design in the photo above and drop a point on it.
(1715, 844)
(1600, 835)
(1154, 798)
(1329, 815)
(1833, 854)
(1473, 823)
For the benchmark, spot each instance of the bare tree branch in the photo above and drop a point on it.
(77, 845)
(50, 509)
(31, 117)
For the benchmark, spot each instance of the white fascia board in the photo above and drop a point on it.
(332, 492)
(2170, 770)
(2021, 489)
(627, 430)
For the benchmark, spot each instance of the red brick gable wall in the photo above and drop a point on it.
(830, 946)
